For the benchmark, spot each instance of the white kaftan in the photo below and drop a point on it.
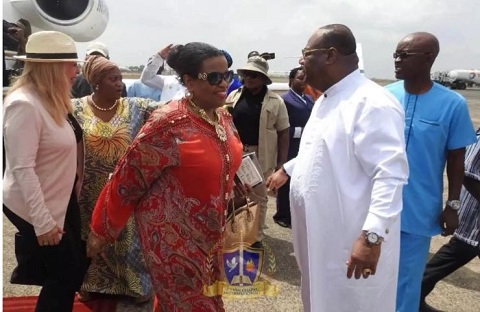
(348, 176)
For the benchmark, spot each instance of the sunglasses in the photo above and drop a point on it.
(215, 78)
(249, 73)
(306, 52)
(404, 54)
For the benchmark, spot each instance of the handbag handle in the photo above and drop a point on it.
(250, 199)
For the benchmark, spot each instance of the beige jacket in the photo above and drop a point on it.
(273, 118)
(41, 162)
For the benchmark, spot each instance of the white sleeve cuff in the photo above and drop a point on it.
(289, 165)
(378, 225)
(297, 134)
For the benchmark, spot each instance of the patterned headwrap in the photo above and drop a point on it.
(95, 69)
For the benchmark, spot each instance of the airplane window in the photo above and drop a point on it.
(63, 9)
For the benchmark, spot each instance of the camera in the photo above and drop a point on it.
(9, 42)
(268, 56)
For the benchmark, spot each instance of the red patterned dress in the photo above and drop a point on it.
(176, 178)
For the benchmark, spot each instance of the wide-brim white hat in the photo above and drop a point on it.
(50, 47)
(257, 64)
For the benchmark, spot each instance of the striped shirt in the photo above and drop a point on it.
(468, 229)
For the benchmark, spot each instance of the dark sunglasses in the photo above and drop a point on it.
(404, 54)
(215, 78)
(250, 73)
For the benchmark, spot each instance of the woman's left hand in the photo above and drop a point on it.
(242, 190)
(95, 245)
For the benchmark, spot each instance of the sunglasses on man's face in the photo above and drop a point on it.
(251, 74)
(405, 54)
(215, 78)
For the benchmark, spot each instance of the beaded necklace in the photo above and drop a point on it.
(91, 102)
(219, 129)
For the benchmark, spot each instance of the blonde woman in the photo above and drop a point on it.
(41, 139)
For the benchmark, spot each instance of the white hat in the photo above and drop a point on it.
(49, 47)
(98, 47)
(257, 64)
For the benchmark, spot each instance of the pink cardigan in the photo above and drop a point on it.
(41, 162)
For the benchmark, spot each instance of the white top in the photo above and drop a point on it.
(41, 161)
(348, 176)
(171, 88)
(368, 132)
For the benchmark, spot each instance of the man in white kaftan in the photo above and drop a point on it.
(347, 182)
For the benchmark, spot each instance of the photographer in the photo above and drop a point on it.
(15, 38)
(261, 118)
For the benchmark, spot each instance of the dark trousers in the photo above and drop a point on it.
(283, 204)
(62, 267)
(447, 260)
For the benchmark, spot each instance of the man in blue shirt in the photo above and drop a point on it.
(465, 243)
(138, 89)
(437, 130)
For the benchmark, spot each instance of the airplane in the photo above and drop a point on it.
(83, 20)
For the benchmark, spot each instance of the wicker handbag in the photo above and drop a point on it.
(243, 220)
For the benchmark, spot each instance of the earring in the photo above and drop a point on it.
(188, 95)
(96, 87)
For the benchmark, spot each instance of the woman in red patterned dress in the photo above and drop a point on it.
(177, 178)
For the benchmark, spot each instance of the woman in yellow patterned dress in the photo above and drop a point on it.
(110, 123)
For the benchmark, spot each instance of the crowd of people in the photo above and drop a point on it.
(124, 191)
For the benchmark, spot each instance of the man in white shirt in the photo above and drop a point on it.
(170, 86)
(346, 183)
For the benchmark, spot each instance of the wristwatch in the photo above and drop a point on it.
(454, 204)
(372, 238)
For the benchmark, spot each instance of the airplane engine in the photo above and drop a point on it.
(83, 20)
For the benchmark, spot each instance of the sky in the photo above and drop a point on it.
(137, 29)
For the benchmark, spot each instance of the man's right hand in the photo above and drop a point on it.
(277, 180)
(51, 238)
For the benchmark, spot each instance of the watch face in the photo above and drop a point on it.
(372, 238)
(454, 204)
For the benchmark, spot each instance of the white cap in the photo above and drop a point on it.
(98, 47)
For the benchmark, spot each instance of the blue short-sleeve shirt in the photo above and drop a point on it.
(435, 122)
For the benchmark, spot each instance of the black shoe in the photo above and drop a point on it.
(425, 307)
(257, 245)
(283, 224)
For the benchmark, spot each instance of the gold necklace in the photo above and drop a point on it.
(219, 129)
(90, 100)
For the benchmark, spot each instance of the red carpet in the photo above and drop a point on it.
(27, 304)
